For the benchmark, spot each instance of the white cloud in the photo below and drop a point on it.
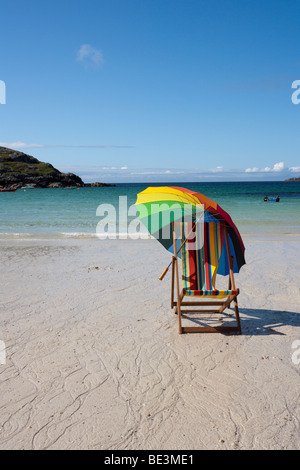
(277, 167)
(294, 169)
(123, 168)
(89, 55)
(21, 145)
(252, 170)
(218, 169)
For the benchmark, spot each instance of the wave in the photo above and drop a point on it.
(82, 235)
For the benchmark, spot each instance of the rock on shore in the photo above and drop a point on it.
(18, 169)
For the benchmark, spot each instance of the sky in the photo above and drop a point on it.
(153, 90)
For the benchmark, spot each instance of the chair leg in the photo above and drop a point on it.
(237, 315)
(179, 317)
(173, 282)
(179, 296)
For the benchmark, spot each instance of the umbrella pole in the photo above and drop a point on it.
(182, 245)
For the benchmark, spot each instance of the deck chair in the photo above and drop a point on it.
(201, 250)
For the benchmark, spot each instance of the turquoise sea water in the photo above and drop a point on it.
(73, 212)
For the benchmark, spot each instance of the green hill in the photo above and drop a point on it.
(18, 169)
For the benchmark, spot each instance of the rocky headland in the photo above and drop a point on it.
(18, 169)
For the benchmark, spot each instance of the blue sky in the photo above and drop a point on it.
(153, 90)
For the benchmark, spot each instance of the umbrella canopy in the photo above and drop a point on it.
(159, 207)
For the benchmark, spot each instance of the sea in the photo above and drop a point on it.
(84, 212)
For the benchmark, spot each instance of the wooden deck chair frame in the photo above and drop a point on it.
(223, 304)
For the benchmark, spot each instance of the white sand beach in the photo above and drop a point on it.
(94, 359)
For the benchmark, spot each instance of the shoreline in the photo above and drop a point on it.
(259, 235)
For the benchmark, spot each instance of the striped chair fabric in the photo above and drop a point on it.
(200, 258)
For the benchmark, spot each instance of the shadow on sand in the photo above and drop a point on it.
(267, 322)
(253, 321)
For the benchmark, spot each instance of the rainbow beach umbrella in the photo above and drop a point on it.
(159, 207)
